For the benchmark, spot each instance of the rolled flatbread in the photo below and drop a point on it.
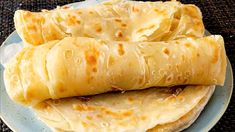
(151, 110)
(87, 66)
(113, 20)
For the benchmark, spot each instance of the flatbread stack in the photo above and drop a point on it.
(118, 66)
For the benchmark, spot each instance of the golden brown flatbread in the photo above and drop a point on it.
(87, 66)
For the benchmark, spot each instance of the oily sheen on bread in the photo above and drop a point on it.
(113, 20)
(151, 110)
(87, 66)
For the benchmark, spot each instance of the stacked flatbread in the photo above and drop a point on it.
(116, 66)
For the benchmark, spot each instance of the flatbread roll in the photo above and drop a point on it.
(87, 66)
(151, 110)
(113, 20)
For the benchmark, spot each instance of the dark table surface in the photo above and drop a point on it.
(218, 16)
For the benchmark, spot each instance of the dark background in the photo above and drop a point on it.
(218, 16)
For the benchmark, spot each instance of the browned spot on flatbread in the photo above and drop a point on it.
(124, 25)
(119, 34)
(82, 107)
(166, 51)
(121, 49)
(43, 105)
(127, 113)
(72, 20)
(187, 44)
(117, 20)
(198, 55)
(98, 29)
(130, 99)
(94, 69)
(61, 89)
(91, 56)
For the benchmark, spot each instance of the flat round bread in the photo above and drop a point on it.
(154, 109)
